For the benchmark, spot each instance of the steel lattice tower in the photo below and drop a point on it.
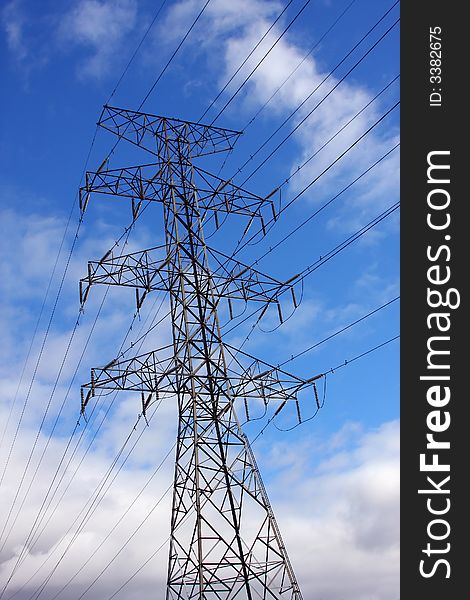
(225, 542)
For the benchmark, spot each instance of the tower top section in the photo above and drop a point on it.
(161, 135)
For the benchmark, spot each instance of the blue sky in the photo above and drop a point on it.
(60, 62)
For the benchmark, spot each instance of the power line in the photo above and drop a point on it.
(36, 524)
(243, 63)
(229, 101)
(56, 300)
(300, 167)
(294, 357)
(310, 112)
(326, 204)
(273, 219)
(50, 434)
(151, 557)
(100, 425)
(323, 376)
(129, 539)
(64, 237)
(173, 55)
(40, 355)
(299, 277)
(341, 129)
(355, 236)
(36, 328)
(36, 439)
(103, 481)
(309, 218)
(93, 502)
(340, 331)
(39, 520)
(42, 423)
(362, 355)
(316, 88)
(38, 535)
(329, 337)
(136, 51)
(338, 247)
(330, 28)
(340, 156)
(69, 581)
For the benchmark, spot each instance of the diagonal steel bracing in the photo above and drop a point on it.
(225, 543)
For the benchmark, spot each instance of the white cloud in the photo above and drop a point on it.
(25, 38)
(56, 538)
(99, 26)
(27, 245)
(225, 17)
(374, 285)
(339, 518)
(13, 25)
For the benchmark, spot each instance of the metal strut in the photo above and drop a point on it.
(225, 542)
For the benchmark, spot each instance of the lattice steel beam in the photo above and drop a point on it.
(225, 543)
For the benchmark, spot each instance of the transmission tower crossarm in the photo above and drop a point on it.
(146, 270)
(146, 373)
(143, 129)
(148, 183)
(237, 280)
(272, 383)
(140, 270)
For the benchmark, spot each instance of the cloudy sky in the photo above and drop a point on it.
(85, 506)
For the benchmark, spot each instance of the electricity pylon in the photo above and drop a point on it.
(225, 542)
